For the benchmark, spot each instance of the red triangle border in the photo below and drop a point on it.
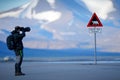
(97, 19)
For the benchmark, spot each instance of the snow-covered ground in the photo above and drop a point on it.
(61, 71)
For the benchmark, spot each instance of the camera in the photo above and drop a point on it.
(25, 29)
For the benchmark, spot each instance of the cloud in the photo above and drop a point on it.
(108, 40)
(116, 22)
(57, 23)
(52, 3)
(11, 14)
(68, 33)
(49, 16)
(101, 7)
(56, 44)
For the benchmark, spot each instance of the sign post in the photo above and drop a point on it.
(95, 26)
(95, 48)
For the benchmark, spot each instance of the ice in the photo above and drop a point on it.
(61, 71)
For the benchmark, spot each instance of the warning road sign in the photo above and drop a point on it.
(94, 21)
(94, 26)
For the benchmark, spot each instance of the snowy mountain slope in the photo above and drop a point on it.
(58, 24)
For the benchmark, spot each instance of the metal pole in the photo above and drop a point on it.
(95, 56)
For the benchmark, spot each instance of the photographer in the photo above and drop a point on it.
(18, 49)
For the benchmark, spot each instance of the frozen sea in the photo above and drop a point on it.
(62, 71)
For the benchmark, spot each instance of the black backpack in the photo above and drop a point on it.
(10, 42)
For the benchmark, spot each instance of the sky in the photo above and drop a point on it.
(61, 24)
(10, 4)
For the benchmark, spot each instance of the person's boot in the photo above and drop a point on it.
(21, 71)
(18, 70)
(19, 74)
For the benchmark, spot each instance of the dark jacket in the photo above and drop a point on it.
(18, 39)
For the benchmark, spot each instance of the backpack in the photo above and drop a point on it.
(10, 42)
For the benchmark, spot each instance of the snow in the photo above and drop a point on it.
(61, 71)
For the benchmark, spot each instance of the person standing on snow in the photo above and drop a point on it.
(18, 48)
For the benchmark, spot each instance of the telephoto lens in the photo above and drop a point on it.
(27, 29)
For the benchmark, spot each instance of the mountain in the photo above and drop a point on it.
(58, 25)
(50, 22)
(46, 53)
(4, 51)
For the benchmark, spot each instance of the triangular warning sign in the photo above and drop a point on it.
(94, 21)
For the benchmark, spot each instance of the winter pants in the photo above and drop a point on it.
(19, 59)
